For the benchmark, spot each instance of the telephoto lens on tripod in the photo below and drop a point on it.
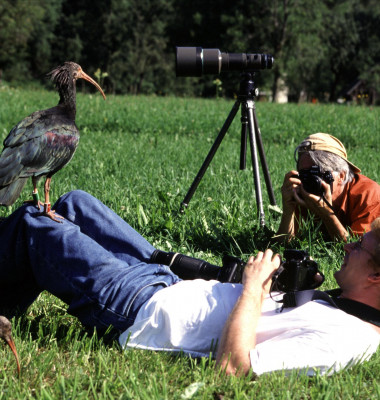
(193, 268)
(196, 61)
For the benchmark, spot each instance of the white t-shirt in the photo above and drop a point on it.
(189, 317)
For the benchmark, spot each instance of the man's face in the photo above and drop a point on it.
(357, 264)
(304, 162)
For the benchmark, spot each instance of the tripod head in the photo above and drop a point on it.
(247, 89)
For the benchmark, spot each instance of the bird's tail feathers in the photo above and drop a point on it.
(10, 193)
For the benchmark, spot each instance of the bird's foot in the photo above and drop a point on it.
(48, 212)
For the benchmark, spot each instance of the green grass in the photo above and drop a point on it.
(139, 155)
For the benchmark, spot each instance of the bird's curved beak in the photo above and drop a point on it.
(83, 75)
(12, 345)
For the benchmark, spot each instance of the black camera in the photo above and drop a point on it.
(196, 61)
(296, 272)
(312, 178)
(192, 268)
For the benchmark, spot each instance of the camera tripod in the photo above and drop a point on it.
(249, 123)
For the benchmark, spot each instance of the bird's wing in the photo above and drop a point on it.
(55, 149)
(38, 147)
(26, 129)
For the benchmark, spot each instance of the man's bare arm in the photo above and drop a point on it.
(239, 333)
(286, 229)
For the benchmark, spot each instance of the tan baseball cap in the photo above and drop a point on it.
(325, 142)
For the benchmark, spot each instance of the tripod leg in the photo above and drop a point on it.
(264, 164)
(255, 165)
(210, 155)
(243, 145)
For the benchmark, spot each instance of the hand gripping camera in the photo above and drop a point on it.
(295, 273)
(312, 178)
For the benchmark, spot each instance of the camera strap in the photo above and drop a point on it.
(328, 204)
(352, 307)
(299, 298)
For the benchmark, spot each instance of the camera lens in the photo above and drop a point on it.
(189, 61)
(196, 61)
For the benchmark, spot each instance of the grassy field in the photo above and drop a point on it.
(139, 155)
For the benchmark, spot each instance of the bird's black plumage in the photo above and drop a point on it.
(45, 141)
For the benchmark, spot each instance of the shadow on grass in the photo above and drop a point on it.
(220, 242)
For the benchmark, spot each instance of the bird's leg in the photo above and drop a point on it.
(48, 212)
(36, 198)
(8, 339)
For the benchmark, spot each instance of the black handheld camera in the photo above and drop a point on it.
(296, 272)
(192, 268)
(312, 178)
(196, 61)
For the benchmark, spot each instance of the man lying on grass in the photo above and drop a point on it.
(330, 188)
(97, 264)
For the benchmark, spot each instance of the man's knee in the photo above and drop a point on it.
(75, 197)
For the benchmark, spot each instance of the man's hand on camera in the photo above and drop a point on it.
(288, 189)
(258, 273)
(318, 205)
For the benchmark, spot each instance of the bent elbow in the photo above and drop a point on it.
(235, 367)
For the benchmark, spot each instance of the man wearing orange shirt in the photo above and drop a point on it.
(348, 201)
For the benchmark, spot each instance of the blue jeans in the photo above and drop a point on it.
(94, 261)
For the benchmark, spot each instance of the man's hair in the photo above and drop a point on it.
(331, 162)
(375, 228)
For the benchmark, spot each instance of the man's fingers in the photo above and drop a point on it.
(268, 256)
(276, 259)
(292, 174)
(299, 199)
(273, 258)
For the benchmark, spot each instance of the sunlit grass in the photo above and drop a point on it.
(139, 155)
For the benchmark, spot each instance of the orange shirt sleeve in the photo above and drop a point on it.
(363, 205)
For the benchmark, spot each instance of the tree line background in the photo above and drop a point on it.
(319, 47)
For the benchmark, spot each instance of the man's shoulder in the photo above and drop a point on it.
(361, 179)
(362, 185)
